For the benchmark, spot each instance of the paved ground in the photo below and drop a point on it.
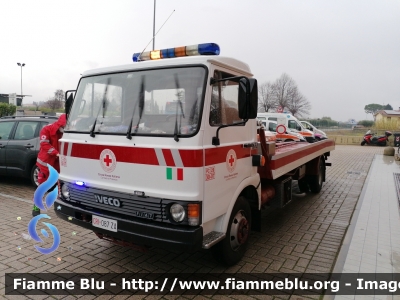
(305, 236)
(372, 243)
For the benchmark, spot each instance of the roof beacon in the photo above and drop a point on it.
(199, 49)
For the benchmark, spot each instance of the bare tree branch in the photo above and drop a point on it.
(266, 99)
(283, 86)
(297, 104)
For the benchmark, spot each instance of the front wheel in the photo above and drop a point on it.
(363, 143)
(232, 248)
(34, 175)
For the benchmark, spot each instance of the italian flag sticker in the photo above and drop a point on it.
(174, 174)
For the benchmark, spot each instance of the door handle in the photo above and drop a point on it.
(29, 146)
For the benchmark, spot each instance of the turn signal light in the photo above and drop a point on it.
(258, 160)
(194, 214)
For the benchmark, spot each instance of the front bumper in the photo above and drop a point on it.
(136, 230)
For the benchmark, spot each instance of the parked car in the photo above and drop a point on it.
(19, 145)
(319, 134)
(287, 136)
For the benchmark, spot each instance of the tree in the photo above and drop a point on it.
(366, 123)
(57, 101)
(283, 87)
(266, 99)
(388, 107)
(282, 93)
(53, 104)
(297, 104)
(372, 109)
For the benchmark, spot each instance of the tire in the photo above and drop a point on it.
(303, 185)
(233, 247)
(34, 175)
(363, 143)
(315, 181)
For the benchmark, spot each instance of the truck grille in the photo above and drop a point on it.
(130, 205)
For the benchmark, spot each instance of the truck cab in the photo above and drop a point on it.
(165, 152)
(132, 170)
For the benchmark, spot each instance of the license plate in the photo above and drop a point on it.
(104, 223)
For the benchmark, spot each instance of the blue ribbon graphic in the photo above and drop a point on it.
(38, 201)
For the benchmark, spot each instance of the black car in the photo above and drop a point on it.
(19, 145)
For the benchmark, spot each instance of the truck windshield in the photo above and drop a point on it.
(161, 102)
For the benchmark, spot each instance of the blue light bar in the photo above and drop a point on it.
(193, 50)
(80, 183)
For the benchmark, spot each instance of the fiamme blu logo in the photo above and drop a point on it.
(49, 201)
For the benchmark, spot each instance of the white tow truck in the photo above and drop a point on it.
(198, 177)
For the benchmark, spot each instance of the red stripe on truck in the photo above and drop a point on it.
(218, 155)
(298, 154)
(169, 160)
(147, 156)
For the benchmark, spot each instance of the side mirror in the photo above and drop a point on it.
(248, 98)
(69, 99)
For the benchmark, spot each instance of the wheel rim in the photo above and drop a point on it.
(239, 230)
(36, 176)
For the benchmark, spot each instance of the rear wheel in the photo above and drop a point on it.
(363, 143)
(315, 181)
(232, 248)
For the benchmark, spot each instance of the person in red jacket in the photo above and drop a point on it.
(49, 152)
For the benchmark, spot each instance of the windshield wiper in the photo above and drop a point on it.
(141, 105)
(104, 107)
(177, 131)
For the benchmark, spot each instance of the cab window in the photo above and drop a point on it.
(294, 125)
(224, 101)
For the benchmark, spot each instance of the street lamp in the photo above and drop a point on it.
(21, 65)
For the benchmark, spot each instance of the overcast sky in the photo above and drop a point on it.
(343, 54)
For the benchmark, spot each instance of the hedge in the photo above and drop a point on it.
(7, 109)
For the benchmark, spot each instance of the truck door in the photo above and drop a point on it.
(5, 134)
(227, 164)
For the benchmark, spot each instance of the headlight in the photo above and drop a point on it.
(177, 212)
(65, 191)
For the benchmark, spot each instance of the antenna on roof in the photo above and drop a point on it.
(154, 35)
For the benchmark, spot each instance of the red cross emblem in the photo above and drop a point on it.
(108, 160)
(231, 160)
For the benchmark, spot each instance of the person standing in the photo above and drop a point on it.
(49, 151)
